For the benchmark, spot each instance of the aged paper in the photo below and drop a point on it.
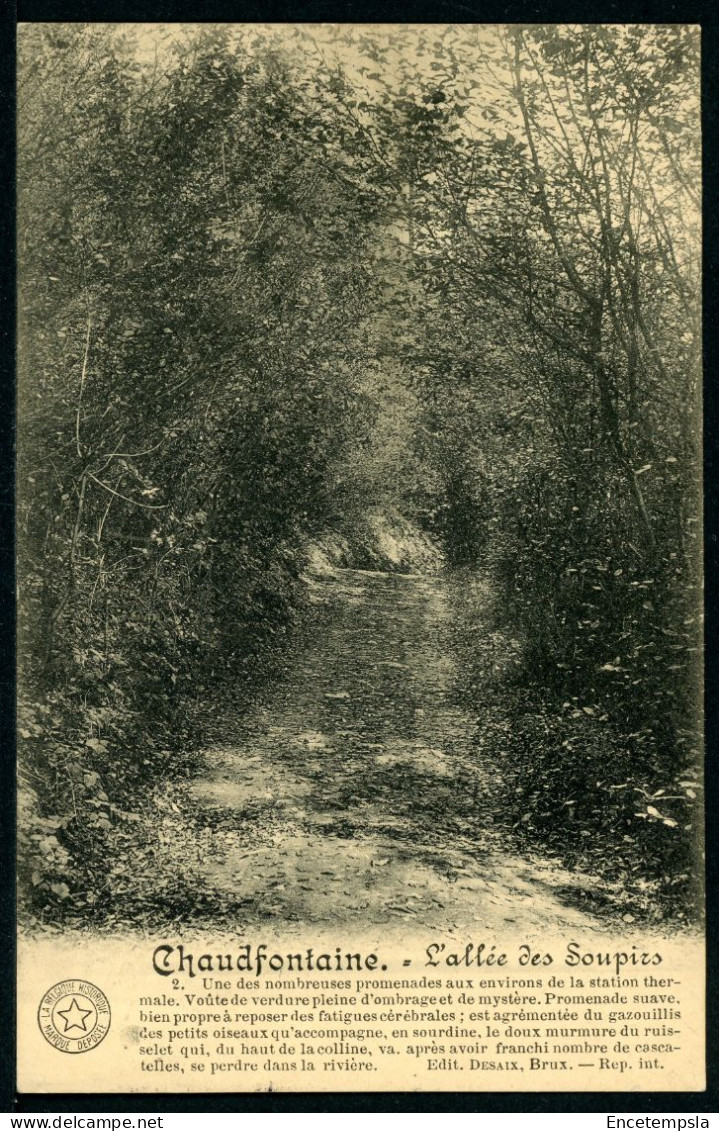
(427, 1016)
(359, 542)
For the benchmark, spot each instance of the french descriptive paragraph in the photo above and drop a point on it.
(471, 1010)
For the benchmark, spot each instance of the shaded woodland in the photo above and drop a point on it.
(279, 285)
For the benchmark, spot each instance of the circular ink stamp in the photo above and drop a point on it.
(74, 1016)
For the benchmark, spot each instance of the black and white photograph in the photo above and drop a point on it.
(359, 541)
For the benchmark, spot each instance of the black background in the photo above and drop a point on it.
(337, 11)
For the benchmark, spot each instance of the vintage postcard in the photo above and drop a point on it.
(359, 546)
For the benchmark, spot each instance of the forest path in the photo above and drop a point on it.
(353, 796)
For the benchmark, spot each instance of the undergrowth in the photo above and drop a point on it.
(607, 804)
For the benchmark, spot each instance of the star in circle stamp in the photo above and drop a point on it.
(74, 1016)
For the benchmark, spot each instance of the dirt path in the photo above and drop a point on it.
(353, 796)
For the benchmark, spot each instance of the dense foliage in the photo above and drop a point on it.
(560, 243)
(270, 279)
(196, 282)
